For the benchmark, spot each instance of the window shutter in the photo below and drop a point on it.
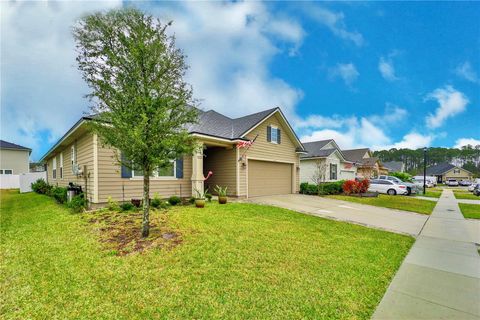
(126, 172)
(269, 134)
(179, 168)
(279, 136)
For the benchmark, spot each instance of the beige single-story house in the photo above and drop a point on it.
(271, 165)
(325, 155)
(368, 166)
(446, 171)
(14, 159)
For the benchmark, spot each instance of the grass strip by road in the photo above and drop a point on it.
(235, 261)
(470, 211)
(393, 202)
(465, 195)
(432, 194)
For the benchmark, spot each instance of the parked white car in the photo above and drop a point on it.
(432, 179)
(419, 183)
(473, 186)
(385, 186)
(411, 188)
(451, 183)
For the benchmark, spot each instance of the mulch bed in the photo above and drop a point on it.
(120, 232)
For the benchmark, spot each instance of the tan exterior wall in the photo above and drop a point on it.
(15, 160)
(84, 151)
(459, 175)
(223, 163)
(264, 150)
(111, 183)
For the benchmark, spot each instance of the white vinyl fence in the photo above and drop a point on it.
(21, 181)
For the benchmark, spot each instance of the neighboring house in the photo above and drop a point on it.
(394, 166)
(14, 159)
(446, 171)
(37, 167)
(269, 166)
(325, 155)
(367, 165)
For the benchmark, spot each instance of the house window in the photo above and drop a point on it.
(333, 171)
(165, 172)
(73, 156)
(274, 134)
(6, 171)
(456, 170)
(54, 168)
(61, 165)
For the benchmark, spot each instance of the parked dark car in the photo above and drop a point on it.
(476, 190)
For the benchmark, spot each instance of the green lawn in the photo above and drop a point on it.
(470, 211)
(432, 194)
(393, 202)
(465, 195)
(235, 261)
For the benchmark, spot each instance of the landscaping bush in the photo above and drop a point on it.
(405, 177)
(174, 200)
(208, 196)
(331, 187)
(78, 203)
(112, 204)
(354, 186)
(41, 186)
(156, 202)
(59, 194)
(307, 188)
(127, 206)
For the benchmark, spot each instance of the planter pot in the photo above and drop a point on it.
(222, 199)
(199, 203)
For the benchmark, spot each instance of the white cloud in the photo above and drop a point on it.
(229, 54)
(386, 68)
(41, 88)
(466, 71)
(451, 102)
(346, 71)
(335, 21)
(412, 140)
(466, 141)
(393, 115)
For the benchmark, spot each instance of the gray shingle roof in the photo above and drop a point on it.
(439, 168)
(316, 153)
(394, 166)
(8, 145)
(215, 124)
(313, 149)
(355, 155)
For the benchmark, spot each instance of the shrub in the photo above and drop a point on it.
(307, 188)
(191, 200)
(156, 202)
(353, 186)
(41, 186)
(334, 187)
(174, 200)
(127, 206)
(78, 203)
(59, 194)
(112, 204)
(405, 177)
(208, 196)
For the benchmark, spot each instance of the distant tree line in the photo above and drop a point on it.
(468, 157)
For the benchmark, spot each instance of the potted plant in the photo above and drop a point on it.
(222, 194)
(200, 198)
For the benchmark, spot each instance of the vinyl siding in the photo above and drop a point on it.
(222, 162)
(111, 184)
(458, 176)
(15, 160)
(264, 150)
(84, 150)
(307, 170)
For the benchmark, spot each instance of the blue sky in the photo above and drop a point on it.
(368, 74)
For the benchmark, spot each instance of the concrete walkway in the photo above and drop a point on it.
(440, 277)
(376, 217)
(470, 201)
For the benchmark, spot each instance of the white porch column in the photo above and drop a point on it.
(197, 169)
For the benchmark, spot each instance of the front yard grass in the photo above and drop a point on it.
(234, 261)
(432, 194)
(393, 202)
(465, 195)
(470, 211)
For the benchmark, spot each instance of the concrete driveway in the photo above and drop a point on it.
(381, 218)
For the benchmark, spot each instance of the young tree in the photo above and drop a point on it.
(319, 173)
(139, 97)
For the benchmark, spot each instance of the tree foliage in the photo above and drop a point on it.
(139, 97)
(467, 157)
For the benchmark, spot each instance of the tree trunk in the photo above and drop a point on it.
(146, 204)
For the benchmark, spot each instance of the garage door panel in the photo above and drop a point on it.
(269, 178)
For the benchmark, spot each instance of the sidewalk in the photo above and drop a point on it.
(440, 277)
(470, 201)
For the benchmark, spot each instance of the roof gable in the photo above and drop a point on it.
(356, 155)
(12, 146)
(442, 168)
